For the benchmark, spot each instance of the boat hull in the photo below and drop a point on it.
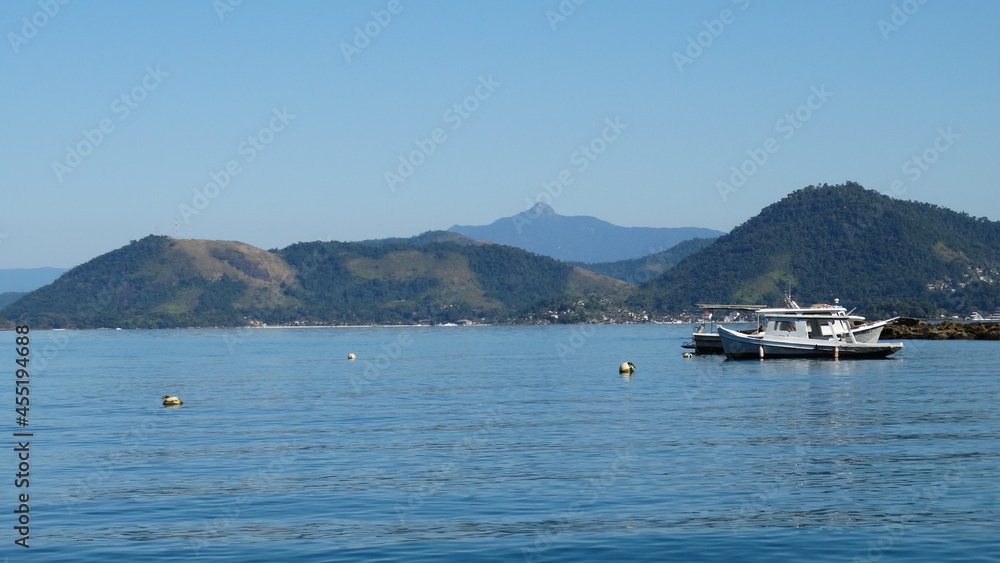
(738, 346)
(707, 343)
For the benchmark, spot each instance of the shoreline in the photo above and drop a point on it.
(906, 328)
(269, 327)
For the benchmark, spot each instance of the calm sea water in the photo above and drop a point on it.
(503, 443)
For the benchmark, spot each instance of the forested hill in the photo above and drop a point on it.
(883, 255)
(159, 282)
(433, 282)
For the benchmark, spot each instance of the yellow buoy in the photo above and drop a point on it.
(169, 401)
(351, 356)
(627, 367)
(688, 355)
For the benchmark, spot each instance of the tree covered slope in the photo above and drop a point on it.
(884, 255)
(159, 282)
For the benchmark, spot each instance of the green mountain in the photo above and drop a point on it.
(402, 282)
(882, 255)
(641, 270)
(159, 282)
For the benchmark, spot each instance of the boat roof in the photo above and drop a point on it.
(825, 311)
(793, 317)
(722, 307)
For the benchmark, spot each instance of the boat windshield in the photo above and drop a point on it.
(784, 326)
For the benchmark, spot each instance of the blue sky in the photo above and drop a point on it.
(276, 122)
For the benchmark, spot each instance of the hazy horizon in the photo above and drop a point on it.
(272, 123)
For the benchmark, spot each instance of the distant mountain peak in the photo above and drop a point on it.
(579, 238)
(540, 210)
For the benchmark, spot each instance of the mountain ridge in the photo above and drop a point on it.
(579, 238)
(641, 270)
(160, 282)
(882, 255)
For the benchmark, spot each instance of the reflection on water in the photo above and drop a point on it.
(497, 443)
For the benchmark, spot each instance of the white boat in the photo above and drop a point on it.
(819, 332)
(978, 317)
(706, 340)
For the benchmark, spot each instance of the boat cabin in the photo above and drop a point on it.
(831, 323)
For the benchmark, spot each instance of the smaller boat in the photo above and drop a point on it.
(824, 332)
(705, 339)
(978, 317)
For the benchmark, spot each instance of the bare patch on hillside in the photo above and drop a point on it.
(946, 254)
(215, 258)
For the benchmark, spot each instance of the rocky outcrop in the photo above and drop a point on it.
(907, 328)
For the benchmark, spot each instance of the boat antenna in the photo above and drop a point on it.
(789, 302)
(788, 297)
